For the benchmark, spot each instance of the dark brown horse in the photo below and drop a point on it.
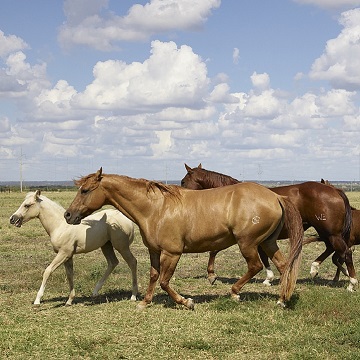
(173, 220)
(354, 238)
(325, 208)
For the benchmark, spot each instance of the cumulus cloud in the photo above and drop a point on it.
(103, 32)
(171, 77)
(260, 81)
(10, 44)
(340, 62)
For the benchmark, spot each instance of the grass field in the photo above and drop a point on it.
(322, 321)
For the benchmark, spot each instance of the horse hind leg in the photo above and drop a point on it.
(314, 270)
(269, 273)
(130, 259)
(344, 253)
(69, 269)
(210, 268)
(251, 255)
(112, 262)
(271, 249)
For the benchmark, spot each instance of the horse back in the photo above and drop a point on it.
(222, 215)
(325, 208)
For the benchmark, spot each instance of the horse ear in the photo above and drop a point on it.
(322, 181)
(37, 194)
(99, 174)
(187, 167)
(200, 166)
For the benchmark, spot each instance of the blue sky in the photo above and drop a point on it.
(257, 89)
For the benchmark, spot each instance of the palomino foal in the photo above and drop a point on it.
(107, 229)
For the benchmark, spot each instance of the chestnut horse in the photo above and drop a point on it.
(173, 220)
(325, 208)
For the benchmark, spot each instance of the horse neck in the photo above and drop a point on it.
(51, 215)
(131, 196)
(214, 180)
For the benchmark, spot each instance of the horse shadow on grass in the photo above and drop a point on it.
(164, 299)
(107, 297)
(305, 281)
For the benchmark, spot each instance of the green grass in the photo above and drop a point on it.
(321, 322)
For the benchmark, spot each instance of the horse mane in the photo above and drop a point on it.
(45, 198)
(215, 179)
(82, 180)
(164, 189)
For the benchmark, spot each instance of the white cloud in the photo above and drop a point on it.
(260, 81)
(4, 124)
(340, 62)
(236, 55)
(10, 44)
(331, 4)
(142, 21)
(171, 77)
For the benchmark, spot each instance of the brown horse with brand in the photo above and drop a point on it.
(354, 238)
(325, 208)
(173, 220)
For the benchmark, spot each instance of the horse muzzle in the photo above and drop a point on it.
(72, 219)
(16, 220)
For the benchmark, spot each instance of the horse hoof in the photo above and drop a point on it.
(190, 305)
(133, 298)
(141, 306)
(267, 282)
(212, 279)
(281, 304)
(314, 270)
(235, 297)
(36, 306)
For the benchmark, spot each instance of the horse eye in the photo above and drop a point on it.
(84, 191)
(26, 206)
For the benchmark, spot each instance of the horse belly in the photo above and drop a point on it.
(209, 242)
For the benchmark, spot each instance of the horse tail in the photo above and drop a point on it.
(294, 226)
(348, 216)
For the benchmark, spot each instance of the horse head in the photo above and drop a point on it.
(192, 177)
(28, 210)
(88, 198)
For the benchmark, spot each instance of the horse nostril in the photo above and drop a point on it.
(67, 215)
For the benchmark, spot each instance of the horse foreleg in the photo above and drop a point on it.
(132, 263)
(112, 262)
(314, 270)
(69, 269)
(168, 264)
(59, 259)
(210, 268)
(154, 275)
(265, 260)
